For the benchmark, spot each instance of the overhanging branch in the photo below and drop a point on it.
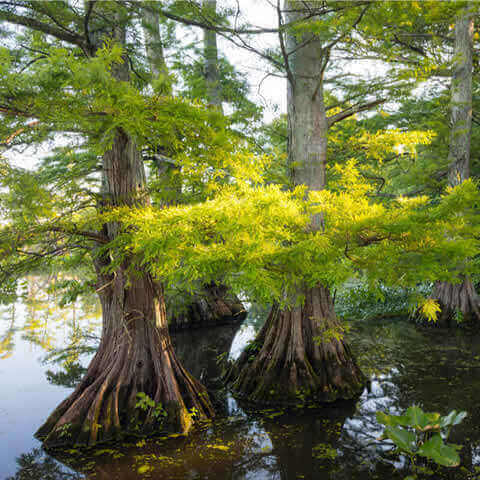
(42, 27)
(348, 112)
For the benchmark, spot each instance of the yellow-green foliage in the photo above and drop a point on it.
(430, 308)
(378, 144)
(257, 237)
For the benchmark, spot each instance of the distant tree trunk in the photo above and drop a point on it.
(460, 299)
(300, 351)
(153, 42)
(214, 304)
(135, 353)
(210, 49)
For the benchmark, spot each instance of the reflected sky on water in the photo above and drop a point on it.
(44, 349)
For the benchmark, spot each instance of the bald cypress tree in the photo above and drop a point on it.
(84, 81)
(299, 355)
(459, 301)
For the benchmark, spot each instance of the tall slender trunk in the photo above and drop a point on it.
(213, 304)
(300, 352)
(153, 42)
(459, 300)
(210, 52)
(135, 353)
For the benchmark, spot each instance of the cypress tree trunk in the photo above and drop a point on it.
(299, 356)
(210, 49)
(135, 353)
(212, 306)
(460, 298)
(135, 356)
(301, 349)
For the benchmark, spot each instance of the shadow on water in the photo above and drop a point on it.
(49, 349)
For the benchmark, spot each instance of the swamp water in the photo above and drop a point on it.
(43, 351)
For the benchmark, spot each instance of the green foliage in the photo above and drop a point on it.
(257, 237)
(233, 86)
(232, 223)
(357, 300)
(50, 210)
(148, 405)
(423, 434)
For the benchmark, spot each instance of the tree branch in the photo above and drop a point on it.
(348, 112)
(42, 27)
(98, 237)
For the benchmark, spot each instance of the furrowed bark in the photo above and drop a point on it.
(459, 301)
(300, 356)
(135, 355)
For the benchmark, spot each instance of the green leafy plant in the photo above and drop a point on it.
(423, 434)
(145, 403)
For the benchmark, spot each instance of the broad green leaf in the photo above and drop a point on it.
(415, 417)
(386, 419)
(441, 453)
(405, 440)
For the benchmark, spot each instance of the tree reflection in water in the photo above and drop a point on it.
(406, 366)
(37, 465)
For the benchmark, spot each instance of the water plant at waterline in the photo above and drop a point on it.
(417, 434)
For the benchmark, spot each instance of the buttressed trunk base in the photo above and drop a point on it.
(135, 357)
(459, 303)
(299, 358)
(214, 305)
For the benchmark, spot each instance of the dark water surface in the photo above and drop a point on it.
(438, 370)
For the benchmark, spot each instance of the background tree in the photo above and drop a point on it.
(460, 299)
(211, 304)
(289, 359)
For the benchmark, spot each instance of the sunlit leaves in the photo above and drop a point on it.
(258, 239)
(378, 145)
(430, 309)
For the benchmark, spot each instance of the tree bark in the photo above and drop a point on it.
(459, 300)
(153, 42)
(214, 305)
(210, 49)
(135, 353)
(300, 355)
(135, 356)
(459, 303)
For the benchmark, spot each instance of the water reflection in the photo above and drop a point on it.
(7, 343)
(44, 350)
(38, 465)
